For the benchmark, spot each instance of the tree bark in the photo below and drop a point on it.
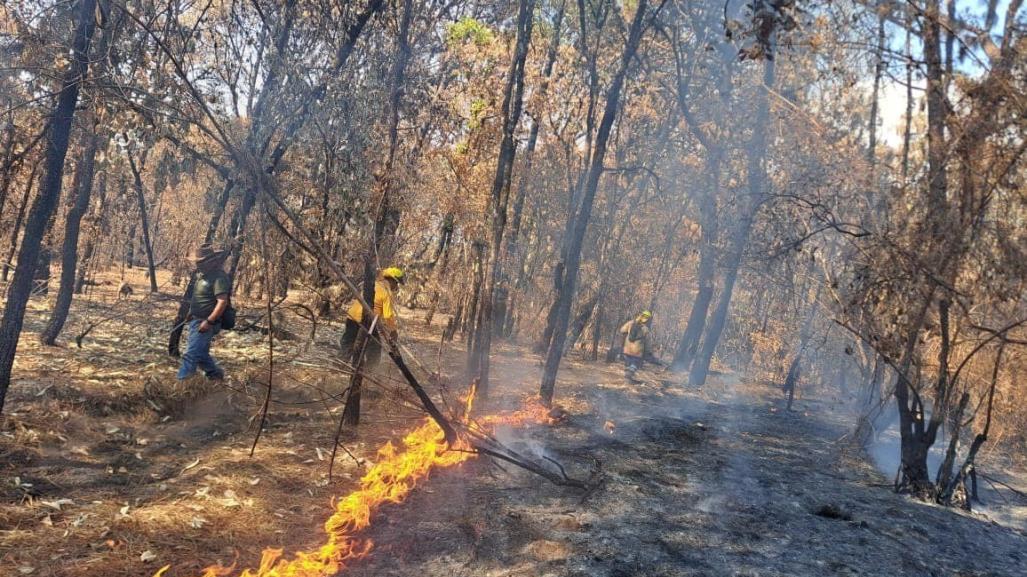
(49, 194)
(908, 132)
(566, 296)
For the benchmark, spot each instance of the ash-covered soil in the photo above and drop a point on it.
(722, 482)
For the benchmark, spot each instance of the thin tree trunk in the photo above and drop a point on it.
(143, 219)
(8, 166)
(98, 228)
(937, 154)
(874, 98)
(805, 334)
(907, 133)
(351, 410)
(72, 226)
(18, 219)
(555, 352)
(49, 194)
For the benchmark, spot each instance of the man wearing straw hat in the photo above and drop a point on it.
(211, 294)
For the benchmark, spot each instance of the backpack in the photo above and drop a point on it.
(228, 318)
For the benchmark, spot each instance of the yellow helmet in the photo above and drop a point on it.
(646, 315)
(394, 273)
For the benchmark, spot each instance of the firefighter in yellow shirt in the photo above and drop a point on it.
(385, 322)
(636, 343)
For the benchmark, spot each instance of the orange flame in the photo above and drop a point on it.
(390, 480)
(531, 411)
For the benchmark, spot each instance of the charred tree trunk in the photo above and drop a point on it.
(555, 352)
(585, 312)
(805, 334)
(59, 129)
(72, 226)
(915, 435)
(387, 220)
(130, 246)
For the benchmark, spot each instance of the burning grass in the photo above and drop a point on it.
(392, 478)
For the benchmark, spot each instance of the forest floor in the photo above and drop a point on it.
(107, 467)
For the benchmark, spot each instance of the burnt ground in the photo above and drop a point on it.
(108, 468)
(718, 482)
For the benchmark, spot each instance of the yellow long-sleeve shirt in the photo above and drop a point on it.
(383, 308)
(635, 348)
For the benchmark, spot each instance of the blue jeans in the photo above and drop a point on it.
(632, 364)
(197, 352)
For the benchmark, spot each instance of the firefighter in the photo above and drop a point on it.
(386, 325)
(636, 344)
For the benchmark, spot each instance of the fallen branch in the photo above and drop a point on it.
(562, 480)
(484, 444)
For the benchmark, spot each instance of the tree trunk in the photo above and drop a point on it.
(555, 352)
(130, 246)
(72, 226)
(874, 96)
(8, 166)
(689, 344)
(18, 219)
(805, 334)
(49, 194)
(98, 229)
(351, 410)
(937, 154)
(916, 438)
(908, 132)
(137, 180)
(585, 312)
